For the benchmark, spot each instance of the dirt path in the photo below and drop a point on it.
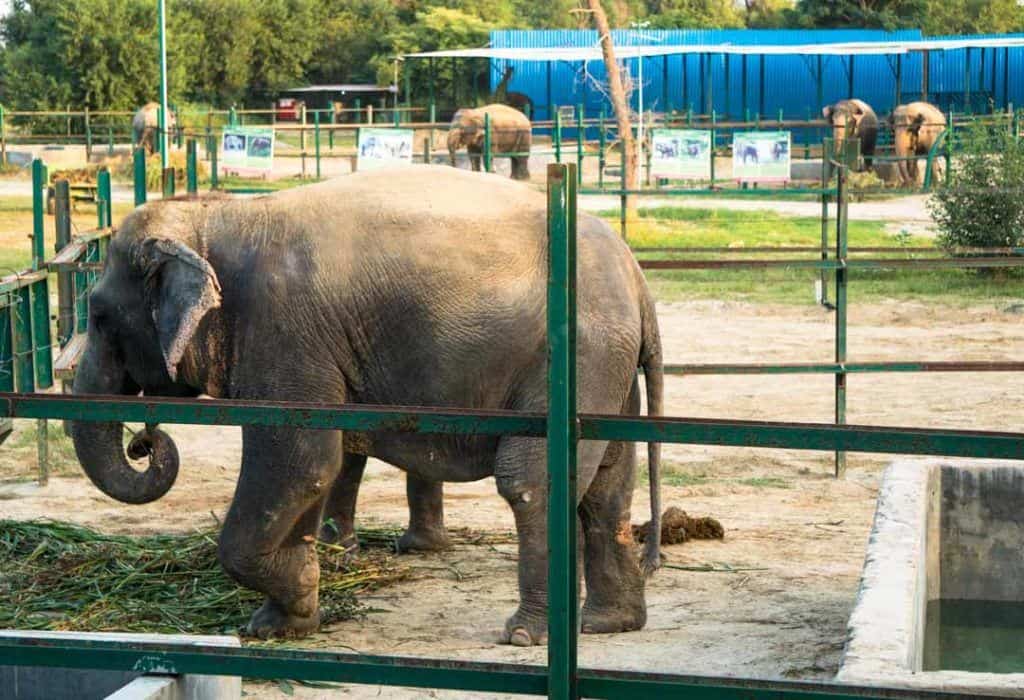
(794, 536)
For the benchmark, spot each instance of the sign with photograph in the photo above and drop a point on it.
(761, 156)
(683, 154)
(383, 148)
(247, 148)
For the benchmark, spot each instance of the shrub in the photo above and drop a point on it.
(983, 206)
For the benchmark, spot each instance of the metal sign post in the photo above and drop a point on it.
(162, 123)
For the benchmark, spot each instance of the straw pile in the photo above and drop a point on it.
(60, 576)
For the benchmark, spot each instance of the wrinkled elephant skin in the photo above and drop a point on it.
(389, 287)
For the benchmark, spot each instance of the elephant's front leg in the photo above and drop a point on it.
(475, 157)
(341, 504)
(269, 536)
(426, 532)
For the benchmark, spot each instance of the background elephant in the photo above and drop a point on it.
(916, 128)
(146, 123)
(385, 287)
(510, 133)
(854, 119)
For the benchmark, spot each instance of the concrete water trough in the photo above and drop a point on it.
(941, 600)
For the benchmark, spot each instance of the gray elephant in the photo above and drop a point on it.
(385, 287)
(854, 119)
(511, 136)
(146, 126)
(748, 152)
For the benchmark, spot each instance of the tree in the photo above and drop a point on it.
(972, 17)
(694, 14)
(617, 92)
(873, 14)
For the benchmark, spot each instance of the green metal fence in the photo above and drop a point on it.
(561, 678)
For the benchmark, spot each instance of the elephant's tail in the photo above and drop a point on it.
(654, 375)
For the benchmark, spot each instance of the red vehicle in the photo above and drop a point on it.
(289, 109)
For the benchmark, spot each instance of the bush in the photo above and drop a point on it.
(983, 206)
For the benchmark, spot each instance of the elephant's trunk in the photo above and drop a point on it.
(100, 446)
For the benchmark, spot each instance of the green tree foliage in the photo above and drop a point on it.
(846, 14)
(694, 14)
(973, 17)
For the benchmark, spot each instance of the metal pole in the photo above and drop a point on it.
(686, 81)
(664, 85)
(548, 80)
(826, 178)
(38, 213)
(926, 65)
(579, 144)
(842, 212)
(1006, 77)
(316, 140)
(819, 80)
(563, 433)
(487, 142)
(139, 175)
(601, 148)
(743, 85)
(899, 79)
(162, 136)
(849, 79)
(703, 87)
(191, 176)
(167, 182)
(558, 137)
(760, 94)
(727, 96)
(3, 137)
(640, 111)
(65, 283)
(106, 198)
(967, 80)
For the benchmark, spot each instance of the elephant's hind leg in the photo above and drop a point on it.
(341, 504)
(426, 531)
(269, 536)
(615, 586)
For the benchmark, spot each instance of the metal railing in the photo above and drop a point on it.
(561, 678)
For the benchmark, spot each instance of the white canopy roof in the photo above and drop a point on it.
(856, 48)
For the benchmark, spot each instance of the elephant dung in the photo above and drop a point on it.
(678, 527)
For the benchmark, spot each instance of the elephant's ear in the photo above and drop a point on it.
(827, 113)
(916, 123)
(181, 287)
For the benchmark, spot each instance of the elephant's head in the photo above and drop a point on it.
(906, 130)
(143, 314)
(845, 117)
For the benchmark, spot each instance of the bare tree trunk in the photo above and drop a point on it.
(617, 91)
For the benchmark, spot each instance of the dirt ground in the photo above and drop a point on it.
(779, 589)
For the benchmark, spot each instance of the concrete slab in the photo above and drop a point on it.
(39, 683)
(902, 572)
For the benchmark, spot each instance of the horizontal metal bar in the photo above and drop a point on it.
(835, 264)
(847, 367)
(364, 418)
(708, 192)
(273, 662)
(817, 249)
(22, 279)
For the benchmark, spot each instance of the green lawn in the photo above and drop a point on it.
(694, 227)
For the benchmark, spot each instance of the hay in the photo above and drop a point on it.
(59, 576)
(678, 527)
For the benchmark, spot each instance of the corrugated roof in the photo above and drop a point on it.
(857, 48)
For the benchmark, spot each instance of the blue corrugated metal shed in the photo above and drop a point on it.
(673, 82)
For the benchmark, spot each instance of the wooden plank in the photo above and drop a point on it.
(67, 361)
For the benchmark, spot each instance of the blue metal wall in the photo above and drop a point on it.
(790, 84)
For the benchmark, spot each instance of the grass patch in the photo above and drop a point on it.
(696, 227)
(673, 474)
(21, 449)
(766, 482)
(60, 576)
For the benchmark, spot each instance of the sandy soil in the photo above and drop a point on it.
(794, 535)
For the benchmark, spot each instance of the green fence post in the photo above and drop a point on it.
(558, 137)
(105, 195)
(579, 143)
(88, 136)
(714, 143)
(39, 186)
(948, 151)
(826, 179)
(622, 190)
(191, 167)
(24, 372)
(487, 142)
(139, 176)
(214, 175)
(65, 283)
(601, 145)
(562, 433)
(316, 140)
(842, 215)
(167, 182)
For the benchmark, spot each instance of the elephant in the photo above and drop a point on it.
(854, 119)
(389, 287)
(916, 128)
(748, 152)
(146, 125)
(510, 134)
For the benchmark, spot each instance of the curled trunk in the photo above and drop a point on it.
(100, 446)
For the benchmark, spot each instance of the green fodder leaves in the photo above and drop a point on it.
(61, 576)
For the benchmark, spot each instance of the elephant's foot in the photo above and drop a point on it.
(608, 619)
(424, 540)
(525, 630)
(273, 622)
